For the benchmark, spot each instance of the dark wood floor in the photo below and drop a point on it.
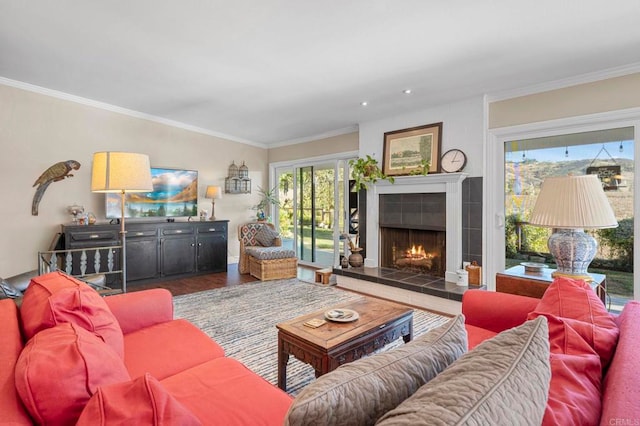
(210, 281)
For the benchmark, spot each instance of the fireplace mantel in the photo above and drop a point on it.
(449, 183)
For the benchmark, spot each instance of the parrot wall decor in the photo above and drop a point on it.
(57, 172)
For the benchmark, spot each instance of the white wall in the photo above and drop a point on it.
(37, 131)
(462, 127)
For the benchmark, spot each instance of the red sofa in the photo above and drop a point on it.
(616, 394)
(172, 370)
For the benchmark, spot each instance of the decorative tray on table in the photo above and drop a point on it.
(341, 315)
(533, 267)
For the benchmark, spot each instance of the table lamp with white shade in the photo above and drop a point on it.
(214, 193)
(121, 172)
(569, 205)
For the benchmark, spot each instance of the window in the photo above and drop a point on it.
(608, 153)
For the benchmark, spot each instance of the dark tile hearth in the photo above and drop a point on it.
(420, 283)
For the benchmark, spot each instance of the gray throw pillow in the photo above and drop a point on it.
(502, 381)
(359, 393)
(8, 291)
(266, 236)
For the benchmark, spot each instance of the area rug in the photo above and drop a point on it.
(243, 318)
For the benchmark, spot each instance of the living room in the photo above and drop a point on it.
(45, 119)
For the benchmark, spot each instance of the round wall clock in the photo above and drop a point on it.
(453, 161)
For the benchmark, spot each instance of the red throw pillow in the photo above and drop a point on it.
(582, 338)
(575, 390)
(576, 375)
(575, 300)
(59, 370)
(57, 298)
(143, 401)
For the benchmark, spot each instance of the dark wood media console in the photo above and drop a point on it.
(156, 250)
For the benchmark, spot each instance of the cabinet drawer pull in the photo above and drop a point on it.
(178, 231)
(212, 229)
(139, 233)
(382, 326)
(94, 236)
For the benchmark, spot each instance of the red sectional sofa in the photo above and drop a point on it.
(595, 364)
(143, 366)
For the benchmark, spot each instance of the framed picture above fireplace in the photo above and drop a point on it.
(408, 151)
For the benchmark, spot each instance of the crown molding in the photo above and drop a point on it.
(565, 82)
(124, 111)
(325, 135)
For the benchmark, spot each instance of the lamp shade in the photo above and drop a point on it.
(213, 192)
(121, 172)
(573, 202)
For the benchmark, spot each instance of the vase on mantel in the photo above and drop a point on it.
(355, 258)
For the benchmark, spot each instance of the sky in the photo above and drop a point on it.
(576, 152)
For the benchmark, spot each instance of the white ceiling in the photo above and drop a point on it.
(276, 71)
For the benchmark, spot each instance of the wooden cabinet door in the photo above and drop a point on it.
(142, 258)
(212, 253)
(178, 255)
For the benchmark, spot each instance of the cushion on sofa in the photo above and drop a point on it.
(142, 401)
(167, 348)
(575, 300)
(266, 236)
(57, 298)
(270, 253)
(59, 370)
(576, 373)
(503, 380)
(140, 309)
(225, 392)
(363, 391)
(8, 291)
(12, 411)
(477, 335)
(621, 393)
(575, 390)
(583, 338)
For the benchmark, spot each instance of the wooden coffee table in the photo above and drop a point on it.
(327, 347)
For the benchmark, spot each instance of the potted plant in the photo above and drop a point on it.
(365, 171)
(268, 198)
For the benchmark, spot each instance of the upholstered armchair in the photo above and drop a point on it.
(262, 254)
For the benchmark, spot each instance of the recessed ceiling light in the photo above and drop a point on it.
(407, 91)
(364, 103)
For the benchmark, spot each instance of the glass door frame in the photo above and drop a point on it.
(293, 165)
(494, 214)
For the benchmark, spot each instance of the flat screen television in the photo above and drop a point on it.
(175, 193)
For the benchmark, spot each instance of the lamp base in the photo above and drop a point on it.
(573, 251)
(583, 277)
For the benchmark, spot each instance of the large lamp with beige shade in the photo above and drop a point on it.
(213, 193)
(121, 172)
(569, 205)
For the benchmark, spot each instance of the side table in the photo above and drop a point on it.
(516, 281)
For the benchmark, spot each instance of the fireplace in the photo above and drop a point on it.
(413, 250)
(412, 232)
(415, 204)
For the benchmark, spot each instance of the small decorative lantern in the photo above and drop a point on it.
(237, 180)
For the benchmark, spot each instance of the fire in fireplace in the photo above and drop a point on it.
(413, 250)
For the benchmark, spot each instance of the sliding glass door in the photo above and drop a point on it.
(607, 153)
(312, 210)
